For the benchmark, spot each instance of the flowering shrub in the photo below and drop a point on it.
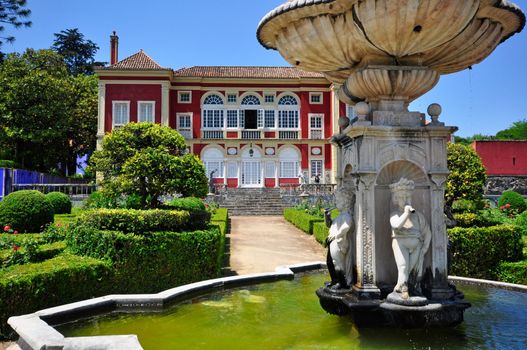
(511, 203)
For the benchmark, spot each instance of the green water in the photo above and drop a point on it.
(287, 315)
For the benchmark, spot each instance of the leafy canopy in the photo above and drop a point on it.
(78, 53)
(148, 160)
(467, 174)
(47, 117)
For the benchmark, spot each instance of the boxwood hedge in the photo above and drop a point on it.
(513, 272)
(26, 211)
(152, 261)
(478, 251)
(301, 219)
(61, 202)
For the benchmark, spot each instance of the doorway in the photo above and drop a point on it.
(251, 119)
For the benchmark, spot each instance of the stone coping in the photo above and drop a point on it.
(35, 332)
(489, 283)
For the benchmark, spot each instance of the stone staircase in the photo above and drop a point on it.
(253, 201)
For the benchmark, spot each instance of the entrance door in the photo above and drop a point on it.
(251, 174)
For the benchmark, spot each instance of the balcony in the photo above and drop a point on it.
(212, 134)
(316, 135)
(187, 134)
(251, 135)
(288, 135)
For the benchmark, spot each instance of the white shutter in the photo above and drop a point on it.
(260, 118)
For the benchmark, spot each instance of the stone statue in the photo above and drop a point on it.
(212, 188)
(339, 239)
(411, 237)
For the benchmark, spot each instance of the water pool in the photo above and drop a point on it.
(287, 315)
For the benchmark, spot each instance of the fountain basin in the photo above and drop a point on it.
(283, 314)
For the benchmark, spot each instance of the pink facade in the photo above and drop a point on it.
(251, 126)
(503, 157)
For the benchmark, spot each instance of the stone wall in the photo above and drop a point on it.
(496, 185)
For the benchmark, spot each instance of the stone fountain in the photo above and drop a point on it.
(388, 261)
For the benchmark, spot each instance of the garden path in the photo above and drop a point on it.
(261, 243)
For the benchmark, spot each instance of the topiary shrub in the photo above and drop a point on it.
(521, 221)
(465, 206)
(61, 203)
(512, 201)
(26, 211)
(186, 203)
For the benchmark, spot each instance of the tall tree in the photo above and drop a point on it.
(518, 131)
(12, 12)
(78, 53)
(47, 117)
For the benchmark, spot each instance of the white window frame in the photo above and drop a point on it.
(181, 93)
(227, 119)
(295, 169)
(178, 118)
(220, 118)
(269, 94)
(114, 104)
(319, 94)
(228, 94)
(153, 104)
(321, 128)
(274, 116)
(270, 169)
(232, 170)
(321, 173)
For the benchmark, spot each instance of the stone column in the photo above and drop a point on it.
(165, 97)
(439, 243)
(101, 114)
(365, 286)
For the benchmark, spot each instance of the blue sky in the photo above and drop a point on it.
(178, 33)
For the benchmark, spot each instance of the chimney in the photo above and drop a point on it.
(114, 48)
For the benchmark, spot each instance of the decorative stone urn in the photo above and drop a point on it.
(381, 55)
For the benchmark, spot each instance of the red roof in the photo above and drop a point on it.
(245, 72)
(138, 61)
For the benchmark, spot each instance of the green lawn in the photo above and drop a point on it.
(67, 218)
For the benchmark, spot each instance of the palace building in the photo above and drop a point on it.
(251, 126)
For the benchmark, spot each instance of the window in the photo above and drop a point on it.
(316, 168)
(250, 100)
(269, 119)
(184, 124)
(232, 118)
(145, 111)
(121, 113)
(213, 100)
(184, 96)
(232, 98)
(270, 170)
(288, 101)
(288, 119)
(288, 169)
(316, 126)
(232, 170)
(289, 161)
(315, 98)
(269, 98)
(213, 161)
(213, 118)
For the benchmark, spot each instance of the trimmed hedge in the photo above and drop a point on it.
(136, 221)
(221, 219)
(61, 203)
(151, 262)
(185, 203)
(478, 251)
(26, 211)
(63, 279)
(513, 272)
(321, 232)
(301, 219)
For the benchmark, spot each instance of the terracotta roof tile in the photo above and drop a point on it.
(245, 72)
(138, 61)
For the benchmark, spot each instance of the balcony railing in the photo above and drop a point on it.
(316, 135)
(187, 134)
(251, 134)
(212, 134)
(288, 135)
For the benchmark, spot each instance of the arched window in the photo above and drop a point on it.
(288, 101)
(289, 163)
(213, 100)
(212, 113)
(250, 100)
(288, 113)
(213, 160)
